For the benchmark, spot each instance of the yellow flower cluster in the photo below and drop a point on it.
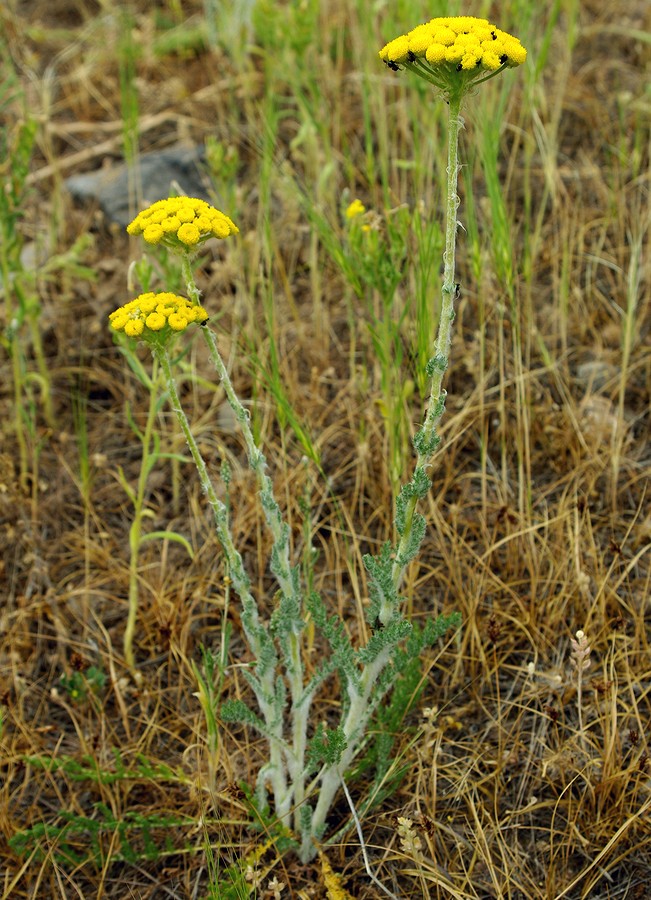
(355, 209)
(156, 314)
(181, 223)
(462, 43)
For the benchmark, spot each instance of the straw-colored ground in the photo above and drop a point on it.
(518, 784)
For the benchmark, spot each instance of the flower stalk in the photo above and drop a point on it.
(286, 575)
(139, 512)
(257, 635)
(454, 54)
(427, 439)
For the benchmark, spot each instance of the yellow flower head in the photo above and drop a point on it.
(355, 209)
(181, 223)
(154, 317)
(454, 52)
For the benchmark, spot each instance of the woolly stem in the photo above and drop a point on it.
(282, 570)
(280, 565)
(354, 728)
(439, 362)
(259, 640)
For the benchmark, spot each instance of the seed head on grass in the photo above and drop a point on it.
(454, 53)
(181, 223)
(410, 842)
(581, 651)
(580, 659)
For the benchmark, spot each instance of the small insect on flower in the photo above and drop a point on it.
(155, 317)
(454, 52)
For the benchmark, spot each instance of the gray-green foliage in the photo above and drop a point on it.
(307, 762)
(365, 674)
(326, 747)
(406, 678)
(86, 768)
(75, 839)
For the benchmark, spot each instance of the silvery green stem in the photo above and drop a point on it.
(280, 565)
(258, 463)
(439, 362)
(256, 458)
(258, 639)
(360, 708)
(286, 576)
(236, 566)
(354, 727)
(190, 284)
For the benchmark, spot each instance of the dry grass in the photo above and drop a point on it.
(539, 517)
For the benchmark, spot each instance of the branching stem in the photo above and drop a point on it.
(257, 636)
(281, 566)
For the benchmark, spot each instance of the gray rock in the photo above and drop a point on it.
(597, 374)
(162, 173)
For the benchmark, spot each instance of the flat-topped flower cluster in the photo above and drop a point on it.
(462, 42)
(151, 315)
(181, 223)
